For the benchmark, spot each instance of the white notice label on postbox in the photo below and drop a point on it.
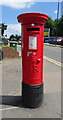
(32, 42)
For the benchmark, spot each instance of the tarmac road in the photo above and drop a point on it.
(11, 90)
(53, 52)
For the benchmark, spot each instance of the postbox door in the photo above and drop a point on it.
(34, 63)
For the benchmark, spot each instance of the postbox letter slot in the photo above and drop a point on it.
(33, 29)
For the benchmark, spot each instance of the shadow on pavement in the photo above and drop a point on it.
(11, 100)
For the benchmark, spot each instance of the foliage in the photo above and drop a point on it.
(15, 36)
(5, 41)
(60, 27)
(49, 24)
(55, 26)
(4, 27)
(12, 36)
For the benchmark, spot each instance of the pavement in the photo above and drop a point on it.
(12, 89)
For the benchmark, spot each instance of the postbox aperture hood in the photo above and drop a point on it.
(32, 17)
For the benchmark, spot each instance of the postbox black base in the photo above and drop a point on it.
(32, 96)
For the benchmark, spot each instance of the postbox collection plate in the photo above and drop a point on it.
(33, 42)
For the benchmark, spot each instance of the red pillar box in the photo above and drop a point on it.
(32, 57)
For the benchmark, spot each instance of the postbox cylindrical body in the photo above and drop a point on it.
(32, 57)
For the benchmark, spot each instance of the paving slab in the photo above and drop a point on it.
(11, 90)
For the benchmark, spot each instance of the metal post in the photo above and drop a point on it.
(57, 22)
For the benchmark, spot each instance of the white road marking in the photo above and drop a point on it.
(9, 108)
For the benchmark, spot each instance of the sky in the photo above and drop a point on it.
(9, 10)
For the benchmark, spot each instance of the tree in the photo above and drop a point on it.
(12, 36)
(60, 26)
(50, 24)
(4, 27)
(55, 26)
(15, 37)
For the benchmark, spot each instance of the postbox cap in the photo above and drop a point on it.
(32, 17)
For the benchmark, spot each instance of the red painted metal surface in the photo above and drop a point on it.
(32, 47)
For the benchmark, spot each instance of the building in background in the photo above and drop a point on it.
(61, 8)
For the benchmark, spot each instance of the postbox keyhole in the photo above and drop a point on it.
(38, 60)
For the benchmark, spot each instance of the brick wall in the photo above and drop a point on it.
(9, 52)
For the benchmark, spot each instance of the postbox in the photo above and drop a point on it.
(32, 57)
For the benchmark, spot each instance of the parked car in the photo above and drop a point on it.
(60, 40)
(46, 39)
(51, 39)
(54, 41)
